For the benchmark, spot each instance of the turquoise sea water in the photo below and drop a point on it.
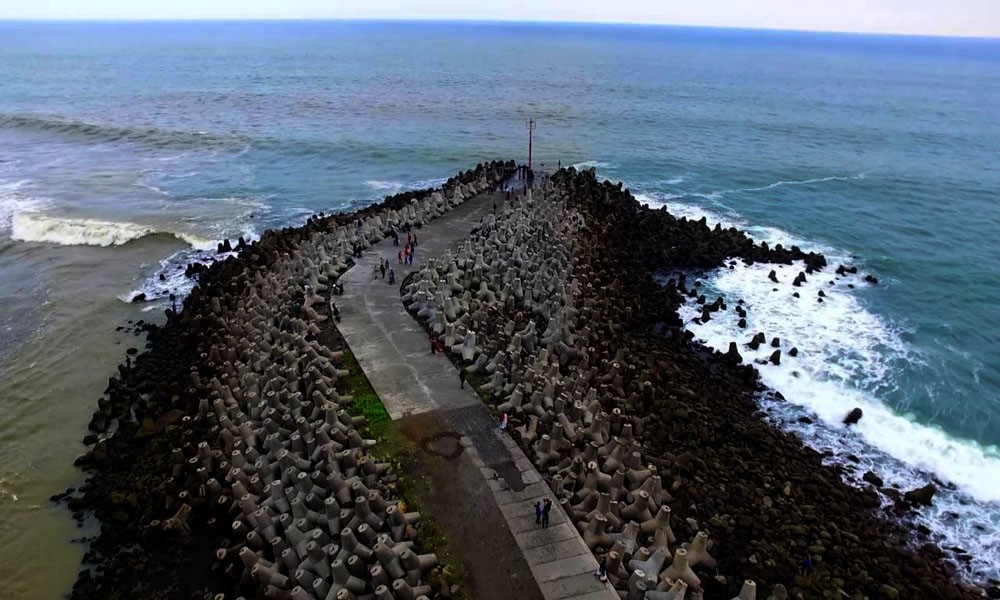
(881, 151)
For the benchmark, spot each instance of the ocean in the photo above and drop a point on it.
(128, 150)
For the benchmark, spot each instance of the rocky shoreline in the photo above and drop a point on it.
(655, 445)
(226, 459)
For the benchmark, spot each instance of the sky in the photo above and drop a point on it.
(979, 18)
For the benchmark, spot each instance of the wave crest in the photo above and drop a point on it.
(34, 227)
(153, 136)
(587, 164)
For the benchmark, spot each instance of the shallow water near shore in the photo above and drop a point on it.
(127, 150)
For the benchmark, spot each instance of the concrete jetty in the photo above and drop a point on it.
(394, 353)
(236, 431)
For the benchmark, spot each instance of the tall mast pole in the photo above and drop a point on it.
(531, 129)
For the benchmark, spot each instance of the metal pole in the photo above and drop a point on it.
(531, 129)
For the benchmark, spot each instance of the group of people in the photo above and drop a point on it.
(408, 252)
(382, 269)
(542, 510)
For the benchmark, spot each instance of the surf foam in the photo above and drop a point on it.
(399, 186)
(157, 291)
(848, 357)
(13, 202)
(36, 227)
(589, 164)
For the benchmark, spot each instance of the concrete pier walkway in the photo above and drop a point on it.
(394, 352)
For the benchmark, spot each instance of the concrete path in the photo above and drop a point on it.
(394, 353)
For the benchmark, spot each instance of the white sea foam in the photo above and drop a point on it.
(719, 194)
(157, 291)
(37, 227)
(13, 202)
(398, 186)
(588, 164)
(384, 185)
(847, 358)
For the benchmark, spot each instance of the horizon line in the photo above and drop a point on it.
(473, 20)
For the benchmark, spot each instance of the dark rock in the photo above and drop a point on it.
(853, 417)
(140, 297)
(922, 495)
(873, 479)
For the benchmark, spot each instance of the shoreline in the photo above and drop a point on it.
(618, 238)
(180, 474)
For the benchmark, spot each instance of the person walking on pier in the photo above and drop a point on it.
(399, 255)
(546, 509)
(538, 512)
(431, 339)
(392, 277)
(382, 267)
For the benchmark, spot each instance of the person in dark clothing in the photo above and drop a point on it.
(433, 344)
(538, 512)
(392, 277)
(461, 378)
(546, 509)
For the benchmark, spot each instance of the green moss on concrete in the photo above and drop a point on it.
(394, 448)
(366, 402)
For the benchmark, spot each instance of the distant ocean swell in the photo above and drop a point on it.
(73, 128)
(847, 357)
(234, 144)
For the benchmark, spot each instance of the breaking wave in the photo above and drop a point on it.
(37, 227)
(398, 186)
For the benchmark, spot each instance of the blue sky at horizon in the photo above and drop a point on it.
(970, 18)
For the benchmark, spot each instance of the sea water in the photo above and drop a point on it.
(128, 150)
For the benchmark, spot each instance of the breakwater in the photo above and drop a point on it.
(654, 445)
(228, 460)
(225, 459)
